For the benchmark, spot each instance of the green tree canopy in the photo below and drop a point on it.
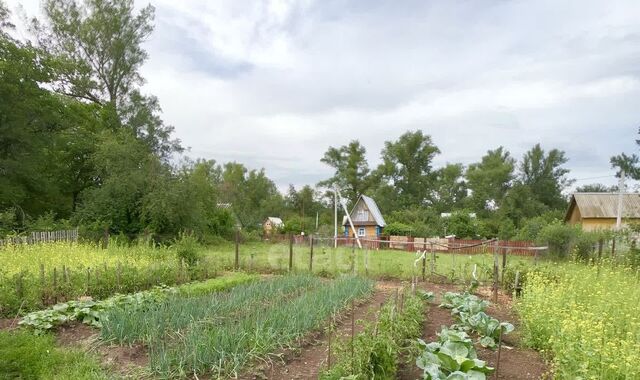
(489, 180)
(407, 164)
(544, 174)
(351, 170)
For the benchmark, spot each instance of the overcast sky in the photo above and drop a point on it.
(273, 84)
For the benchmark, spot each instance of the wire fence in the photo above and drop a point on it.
(413, 244)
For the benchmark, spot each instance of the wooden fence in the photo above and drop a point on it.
(412, 244)
(43, 237)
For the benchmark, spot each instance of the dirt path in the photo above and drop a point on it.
(516, 362)
(311, 358)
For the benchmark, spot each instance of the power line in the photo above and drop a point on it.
(584, 179)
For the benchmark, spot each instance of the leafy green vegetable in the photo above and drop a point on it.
(452, 357)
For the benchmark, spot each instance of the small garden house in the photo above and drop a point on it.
(272, 224)
(366, 217)
(598, 211)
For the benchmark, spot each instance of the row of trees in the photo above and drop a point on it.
(500, 190)
(81, 144)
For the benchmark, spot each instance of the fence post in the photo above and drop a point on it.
(236, 264)
(311, 254)
(42, 284)
(353, 256)
(290, 252)
(105, 243)
(55, 285)
(424, 265)
(366, 263)
(20, 285)
(613, 247)
(119, 274)
(600, 245)
(433, 259)
(495, 273)
(88, 279)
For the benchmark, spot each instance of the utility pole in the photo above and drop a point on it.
(335, 218)
(620, 195)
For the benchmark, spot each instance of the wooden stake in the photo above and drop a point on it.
(366, 263)
(311, 254)
(237, 258)
(495, 275)
(55, 285)
(329, 350)
(88, 280)
(119, 273)
(600, 245)
(290, 252)
(353, 331)
(499, 350)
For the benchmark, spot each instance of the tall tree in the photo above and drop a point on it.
(31, 119)
(351, 173)
(101, 43)
(450, 189)
(545, 175)
(596, 188)
(630, 164)
(490, 179)
(407, 164)
(250, 193)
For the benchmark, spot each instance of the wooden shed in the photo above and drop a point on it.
(272, 224)
(598, 211)
(367, 219)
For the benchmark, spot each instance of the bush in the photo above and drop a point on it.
(462, 225)
(559, 237)
(187, 249)
(397, 229)
(585, 243)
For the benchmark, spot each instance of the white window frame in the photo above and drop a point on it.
(362, 231)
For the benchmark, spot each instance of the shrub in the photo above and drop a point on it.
(187, 249)
(584, 245)
(559, 237)
(397, 229)
(462, 225)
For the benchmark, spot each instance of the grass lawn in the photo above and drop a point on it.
(24, 355)
(268, 257)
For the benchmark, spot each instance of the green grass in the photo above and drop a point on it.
(26, 356)
(212, 285)
(329, 261)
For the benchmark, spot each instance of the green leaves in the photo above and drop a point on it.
(452, 357)
(90, 312)
(377, 347)
(469, 309)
